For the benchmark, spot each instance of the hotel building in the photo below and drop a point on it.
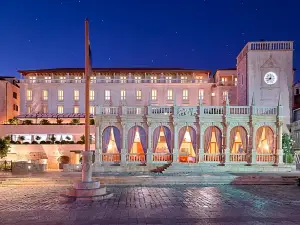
(158, 115)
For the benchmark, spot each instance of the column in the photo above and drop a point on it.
(227, 144)
(175, 149)
(97, 145)
(201, 149)
(279, 143)
(253, 152)
(149, 150)
(124, 144)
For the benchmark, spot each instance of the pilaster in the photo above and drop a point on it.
(175, 150)
(124, 144)
(279, 142)
(98, 141)
(149, 150)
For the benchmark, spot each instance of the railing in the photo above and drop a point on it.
(239, 110)
(166, 110)
(271, 45)
(111, 157)
(238, 157)
(5, 165)
(135, 158)
(266, 158)
(162, 157)
(226, 83)
(133, 110)
(107, 110)
(115, 80)
(262, 110)
(213, 157)
(212, 110)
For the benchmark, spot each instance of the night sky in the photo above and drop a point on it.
(198, 34)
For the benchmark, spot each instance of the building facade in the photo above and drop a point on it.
(9, 99)
(178, 115)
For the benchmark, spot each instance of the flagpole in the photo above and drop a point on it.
(87, 87)
(87, 154)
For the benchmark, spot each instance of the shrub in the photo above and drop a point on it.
(18, 142)
(80, 142)
(4, 147)
(71, 142)
(34, 142)
(27, 122)
(53, 139)
(92, 122)
(64, 142)
(43, 142)
(75, 121)
(26, 143)
(37, 138)
(68, 138)
(12, 142)
(59, 121)
(82, 139)
(57, 142)
(45, 122)
(13, 121)
(48, 142)
(64, 159)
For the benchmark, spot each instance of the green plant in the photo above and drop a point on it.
(53, 139)
(37, 138)
(82, 139)
(34, 142)
(27, 122)
(21, 138)
(45, 122)
(13, 121)
(287, 146)
(68, 138)
(43, 142)
(4, 147)
(75, 121)
(92, 122)
(59, 121)
(57, 142)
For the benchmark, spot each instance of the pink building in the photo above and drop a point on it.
(157, 115)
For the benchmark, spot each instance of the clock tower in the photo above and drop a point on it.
(265, 71)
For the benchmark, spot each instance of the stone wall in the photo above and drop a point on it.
(23, 167)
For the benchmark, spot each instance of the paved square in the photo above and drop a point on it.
(155, 205)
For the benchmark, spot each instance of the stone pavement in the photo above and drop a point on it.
(223, 204)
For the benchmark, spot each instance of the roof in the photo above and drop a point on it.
(228, 69)
(133, 69)
(52, 115)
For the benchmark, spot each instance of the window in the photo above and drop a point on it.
(201, 94)
(45, 95)
(62, 79)
(225, 95)
(213, 94)
(92, 110)
(199, 79)
(297, 91)
(235, 81)
(47, 79)
(170, 94)
(138, 95)
(93, 79)
(183, 79)
(29, 95)
(29, 109)
(168, 79)
(60, 109)
(122, 79)
(60, 95)
(224, 80)
(76, 109)
(153, 79)
(123, 95)
(154, 94)
(15, 95)
(185, 94)
(16, 108)
(76, 95)
(77, 79)
(137, 79)
(45, 109)
(107, 79)
(32, 80)
(107, 95)
(92, 95)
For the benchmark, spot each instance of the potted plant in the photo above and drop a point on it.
(37, 138)
(13, 121)
(59, 121)
(45, 122)
(21, 138)
(75, 121)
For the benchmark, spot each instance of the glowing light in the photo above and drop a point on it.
(236, 137)
(29, 167)
(266, 147)
(109, 146)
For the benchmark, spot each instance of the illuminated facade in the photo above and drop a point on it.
(154, 116)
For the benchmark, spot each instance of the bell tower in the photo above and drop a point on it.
(264, 72)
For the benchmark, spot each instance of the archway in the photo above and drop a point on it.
(187, 144)
(137, 143)
(111, 144)
(162, 144)
(212, 144)
(238, 144)
(264, 140)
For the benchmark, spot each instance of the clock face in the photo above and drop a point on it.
(270, 78)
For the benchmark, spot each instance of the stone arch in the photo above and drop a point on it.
(131, 135)
(265, 140)
(106, 135)
(168, 137)
(208, 135)
(193, 133)
(243, 136)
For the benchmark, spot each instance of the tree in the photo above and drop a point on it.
(75, 121)
(13, 121)
(4, 147)
(287, 146)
